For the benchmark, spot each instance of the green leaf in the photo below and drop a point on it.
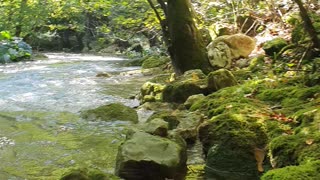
(5, 35)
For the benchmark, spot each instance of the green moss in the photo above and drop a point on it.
(220, 79)
(179, 92)
(195, 171)
(295, 149)
(234, 131)
(274, 46)
(167, 116)
(279, 94)
(152, 62)
(229, 141)
(136, 62)
(308, 171)
(276, 128)
(48, 144)
(111, 112)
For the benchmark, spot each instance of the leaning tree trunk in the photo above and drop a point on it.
(308, 24)
(186, 47)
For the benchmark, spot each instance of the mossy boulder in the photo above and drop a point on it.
(308, 171)
(300, 147)
(274, 46)
(157, 127)
(151, 92)
(192, 82)
(180, 91)
(229, 141)
(144, 156)
(168, 116)
(111, 112)
(294, 149)
(153, 62)
(193, 99)
(220, 79)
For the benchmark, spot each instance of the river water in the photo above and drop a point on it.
(41, 133)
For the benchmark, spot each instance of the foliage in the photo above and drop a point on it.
(13, 49)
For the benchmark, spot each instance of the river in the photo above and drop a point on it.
(41, 133)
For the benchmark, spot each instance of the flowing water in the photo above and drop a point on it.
(41, 133)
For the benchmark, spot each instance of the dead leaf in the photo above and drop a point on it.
(309, 141)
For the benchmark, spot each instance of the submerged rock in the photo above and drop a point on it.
(111, 112)
(85, 174)
(144, 156)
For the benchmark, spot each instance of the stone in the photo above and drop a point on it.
(192, 99)
(144, 156)
(157, 127)
(111, 112)
(274, 46)
(223, 49)
(104, 74)
(151, 92)
(153, 62)
(229, 141)
(220, 79)
(190, 83)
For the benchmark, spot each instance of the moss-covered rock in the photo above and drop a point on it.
(111, 112)
(274, 46)
(220, 79)
(153, 62)
(143, 156)
(157, 127)
(151, 92)
(180, 91)
(188, 125)
(257, 64)
(195, 171)
(192, 99)
(308, 171)
(168, 116)
(229, 141)
(301, 147)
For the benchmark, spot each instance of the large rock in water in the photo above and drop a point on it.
(230, 142)
(111, 112)
(144, 156)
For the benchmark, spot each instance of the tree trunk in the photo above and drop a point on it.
(18, 27)
(187, 49)
(308, 24)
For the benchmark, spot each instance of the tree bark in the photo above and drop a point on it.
(308, 24)
(187, 48)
